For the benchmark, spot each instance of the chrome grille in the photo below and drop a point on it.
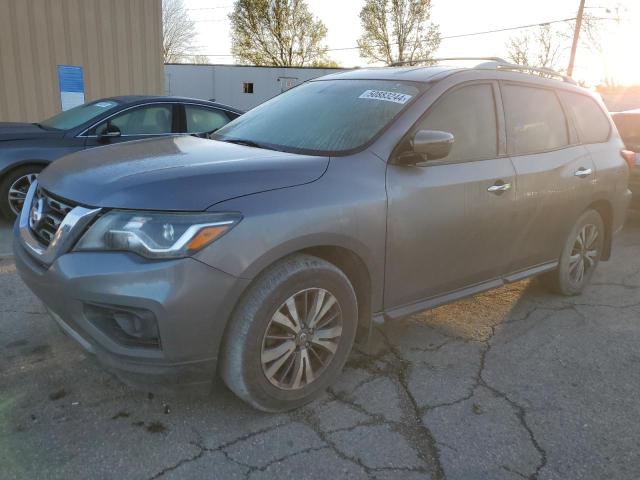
(46, 215)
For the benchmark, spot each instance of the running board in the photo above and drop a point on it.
(404, 311)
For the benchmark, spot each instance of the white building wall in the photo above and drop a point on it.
(224, 83)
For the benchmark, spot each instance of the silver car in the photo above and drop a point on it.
(263, 253)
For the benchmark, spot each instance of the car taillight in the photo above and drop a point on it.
(629, 157)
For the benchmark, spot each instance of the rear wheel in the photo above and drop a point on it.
(290, 335)
(580, 256)
(14, 187)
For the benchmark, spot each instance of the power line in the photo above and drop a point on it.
(446, 37)
(211, 8)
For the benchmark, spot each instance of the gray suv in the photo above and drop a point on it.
(263, 253)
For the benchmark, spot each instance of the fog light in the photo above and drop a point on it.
(132, 327)
(136, 325)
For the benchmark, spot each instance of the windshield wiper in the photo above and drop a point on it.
(247, 143)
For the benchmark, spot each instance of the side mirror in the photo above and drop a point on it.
(427, 145)
(109, 131)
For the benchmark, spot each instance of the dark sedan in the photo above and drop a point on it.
(27, 148)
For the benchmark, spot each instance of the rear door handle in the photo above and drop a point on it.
(583, 172)
(499, 188)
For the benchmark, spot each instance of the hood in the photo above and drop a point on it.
(174, 173)
(25, 131)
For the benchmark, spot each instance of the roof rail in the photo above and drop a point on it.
(496, 63)
(445, 59)
(543, 71)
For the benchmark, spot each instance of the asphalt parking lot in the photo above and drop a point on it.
(515, 383)
(5, 238)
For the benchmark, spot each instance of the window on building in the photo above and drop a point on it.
(535, 120)
(247, 87)
(592, 123)
(469, 114)
(203, 120)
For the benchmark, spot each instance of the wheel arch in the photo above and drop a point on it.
(349, 260)
(358, 274)
(22, 163)
(605, 210)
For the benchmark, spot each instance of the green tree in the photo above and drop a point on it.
(276, 32)
(397, 31)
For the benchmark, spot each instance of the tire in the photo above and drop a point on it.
(20, 179)
(247, 359)
(566, 280)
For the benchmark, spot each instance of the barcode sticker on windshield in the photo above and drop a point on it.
(386, 96)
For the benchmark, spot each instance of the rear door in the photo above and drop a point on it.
(555, 172)
(449, 227)
(200, 119)
(144, 121)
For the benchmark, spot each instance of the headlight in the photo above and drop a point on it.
(156, 235)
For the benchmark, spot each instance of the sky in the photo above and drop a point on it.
(620, 39)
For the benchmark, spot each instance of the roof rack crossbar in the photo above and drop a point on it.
(493, 63)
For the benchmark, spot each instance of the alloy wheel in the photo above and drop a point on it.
(584, 253)
(301, 339)
(18, 191)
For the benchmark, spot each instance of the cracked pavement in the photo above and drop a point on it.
(513, 383)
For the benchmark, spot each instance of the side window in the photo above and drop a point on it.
(535, 120)
(469, 114)
(204, 120)
(592, 124)
(147, 120)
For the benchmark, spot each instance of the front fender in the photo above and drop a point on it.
(340, 209)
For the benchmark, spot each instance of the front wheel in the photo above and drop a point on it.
(580, 256)
(290, 335)
(14, 187)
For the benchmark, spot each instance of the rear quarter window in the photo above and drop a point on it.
(591, 122)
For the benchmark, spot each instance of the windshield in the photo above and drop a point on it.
(322, 117)
(76, 116)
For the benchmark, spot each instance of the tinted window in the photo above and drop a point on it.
(147, 120)
(201, 120)
(592, 124)
(469, 114)
(76, 116)
(535, 120)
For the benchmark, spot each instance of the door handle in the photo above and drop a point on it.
(583, 172)
(498, 189)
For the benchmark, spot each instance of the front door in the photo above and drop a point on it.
(145, 121)
(450, 220)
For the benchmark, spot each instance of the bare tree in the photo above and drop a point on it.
(397, 31)
(178, 31)
(518, 50)
(541, 48)
(276, 32)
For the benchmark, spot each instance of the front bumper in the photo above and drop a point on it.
(189, 300)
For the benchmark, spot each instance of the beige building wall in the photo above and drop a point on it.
(117, 42)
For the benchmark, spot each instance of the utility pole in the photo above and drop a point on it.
(576, 35)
